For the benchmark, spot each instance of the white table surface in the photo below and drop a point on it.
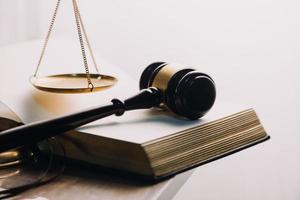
(271, 85)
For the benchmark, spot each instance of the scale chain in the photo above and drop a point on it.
(80, 29)
(87, 39)
(47, 37)
(90, 84)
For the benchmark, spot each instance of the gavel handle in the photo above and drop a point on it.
(37, 131)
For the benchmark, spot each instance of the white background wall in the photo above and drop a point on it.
(258, 40)
(136, 32)
(18, 20)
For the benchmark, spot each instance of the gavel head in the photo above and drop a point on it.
(186, 92)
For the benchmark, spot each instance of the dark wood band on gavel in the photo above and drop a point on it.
(185, 92)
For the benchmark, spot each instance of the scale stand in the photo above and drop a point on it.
(74, 82)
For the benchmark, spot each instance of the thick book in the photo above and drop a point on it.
(155, 146)
(152, 144)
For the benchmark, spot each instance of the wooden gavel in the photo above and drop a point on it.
(185, 92)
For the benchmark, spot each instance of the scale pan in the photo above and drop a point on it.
(73, 83)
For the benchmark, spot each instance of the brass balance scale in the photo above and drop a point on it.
(11, 161)
(73, 82)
